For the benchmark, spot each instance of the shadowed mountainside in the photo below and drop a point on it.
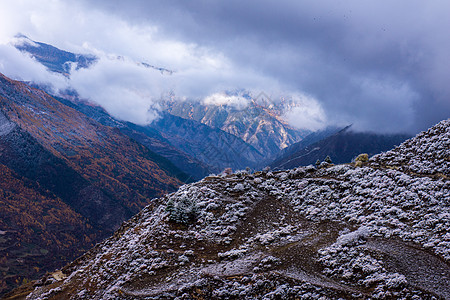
(38, 232)
(212, 146)
(95, 173)
(342, 147)
(147, 136)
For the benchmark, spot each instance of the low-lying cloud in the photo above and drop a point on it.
(382, 67)
(308, 113)
(21, 66)
(235, 101)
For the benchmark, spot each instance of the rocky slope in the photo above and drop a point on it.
(342, 147)
(378, 231)
(259, 124)
(212, 146)
(79, 174)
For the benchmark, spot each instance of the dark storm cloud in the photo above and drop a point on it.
(381, 65)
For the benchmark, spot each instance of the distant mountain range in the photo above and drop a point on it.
(260, 129)
(259, 124)
(195, 148)
(342, 147)
(263, 137)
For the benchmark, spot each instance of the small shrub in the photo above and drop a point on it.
(184, 211)
(364, 157)
(361, 159)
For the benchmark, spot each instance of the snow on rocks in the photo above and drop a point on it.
(427, 153)
(329, 233)
(6, 126)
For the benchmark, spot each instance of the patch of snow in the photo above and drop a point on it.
(6, 126)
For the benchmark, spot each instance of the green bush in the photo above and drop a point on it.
(184, 211)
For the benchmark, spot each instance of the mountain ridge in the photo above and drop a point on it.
(75, 138)
(54, 59)
(258, 125)
(342, 147)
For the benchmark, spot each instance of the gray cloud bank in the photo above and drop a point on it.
(383, 66)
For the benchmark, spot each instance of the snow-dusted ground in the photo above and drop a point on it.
(378, 231)
(426, 154)
(6, 126)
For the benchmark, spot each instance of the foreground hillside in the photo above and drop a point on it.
(376, 231)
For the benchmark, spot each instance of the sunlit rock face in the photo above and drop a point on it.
(260, 125)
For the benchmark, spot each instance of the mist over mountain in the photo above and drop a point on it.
(56, 60)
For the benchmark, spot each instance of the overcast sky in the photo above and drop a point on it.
(381, 65)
